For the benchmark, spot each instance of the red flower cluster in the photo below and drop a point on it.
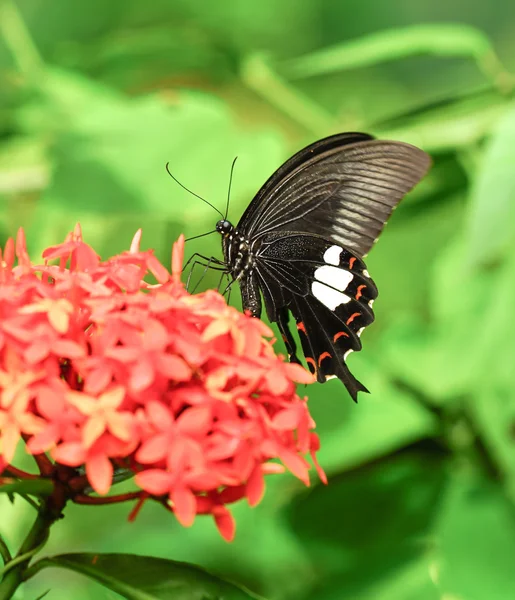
(99, 368)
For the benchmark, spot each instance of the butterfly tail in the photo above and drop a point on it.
(325, 352)
(351, 383)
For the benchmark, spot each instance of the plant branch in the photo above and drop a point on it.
(28, 499)
(14, 472)
(25, 557)
(96, 501)
(12, 573)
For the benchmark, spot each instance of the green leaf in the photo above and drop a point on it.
(493, 412)
(465, 340)
(410, 582)
(370, 523)
(149, 578)
(476, 541)
(118, 153)
(393, 44)
(35, 487)
(455, 125)
(382, 422)
(491, 225)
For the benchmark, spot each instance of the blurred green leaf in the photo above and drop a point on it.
(372, 522)
(147, 577)
(476, 534)
(382, 422)
(118, 150)
(442, 39)
(492, 211)
(493, 412)
(411, 582)
(35, 487)
(451, 126)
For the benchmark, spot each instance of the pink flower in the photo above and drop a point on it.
(98, 366)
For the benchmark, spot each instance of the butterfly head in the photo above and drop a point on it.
(224, 227)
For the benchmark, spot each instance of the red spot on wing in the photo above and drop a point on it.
(94, 559)
(352, 317)
(301, 327)
(339, 335)
(311, 364)
(359, 291)
(352, 260)
(322, 356)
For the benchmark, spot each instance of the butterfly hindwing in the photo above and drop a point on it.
(324, 350)
(329, 292)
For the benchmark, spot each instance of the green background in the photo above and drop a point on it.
(95, 98)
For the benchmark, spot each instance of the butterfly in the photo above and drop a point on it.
(299, 246)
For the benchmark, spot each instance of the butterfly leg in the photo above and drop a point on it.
(200, 258)
(208, 263)
(289, 342)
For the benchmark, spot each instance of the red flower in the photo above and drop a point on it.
(98, 366)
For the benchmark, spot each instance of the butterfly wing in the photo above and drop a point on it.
(343, 187)
(329, 292)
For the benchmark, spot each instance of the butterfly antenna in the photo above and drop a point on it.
(230, 184)
(199, 236)
(192, 193)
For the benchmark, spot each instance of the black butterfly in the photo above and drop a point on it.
(300, 243)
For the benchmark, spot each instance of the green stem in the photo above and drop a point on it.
(4, 551)
(258, 75)
(19, 40)
(12, 573)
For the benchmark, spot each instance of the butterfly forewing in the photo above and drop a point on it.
(344, 192)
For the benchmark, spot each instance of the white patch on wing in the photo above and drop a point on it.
(327, 296)
(337, 281)
(347, 354)
(332, 255)
(366, 273)
(334, 277)
(360, 331)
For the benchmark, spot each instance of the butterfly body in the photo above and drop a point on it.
(300, 244)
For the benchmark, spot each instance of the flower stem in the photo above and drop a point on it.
(4, 551)
(12, 573)
(258, 74)
(44, 464)
(96, 501)
(14, 472)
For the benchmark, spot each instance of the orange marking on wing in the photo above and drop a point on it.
(358, 292)
(311, 361)
(300, 327)
(352, 317)
(352, 260)
(339, 335)
(322, 356)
